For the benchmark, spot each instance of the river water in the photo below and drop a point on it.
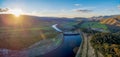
(66, 48)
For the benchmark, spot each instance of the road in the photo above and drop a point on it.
(86, 49)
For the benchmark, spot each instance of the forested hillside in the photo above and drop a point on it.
(107, 43)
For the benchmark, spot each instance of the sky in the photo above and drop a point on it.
(64, 8)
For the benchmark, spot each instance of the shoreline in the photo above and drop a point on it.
(78, 54)
(86, 49)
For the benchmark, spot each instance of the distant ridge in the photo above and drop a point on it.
(7, 19)
(114, 20)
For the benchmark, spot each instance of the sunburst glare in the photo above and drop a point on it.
(16, 12)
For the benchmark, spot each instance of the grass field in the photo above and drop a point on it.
(93, 25)
(20, 38)
(70, 24)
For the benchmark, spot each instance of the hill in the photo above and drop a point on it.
(9, 20)
(21, 32)
(115, 20)
(107, 43)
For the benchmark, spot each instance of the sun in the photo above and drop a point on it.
(16, 12)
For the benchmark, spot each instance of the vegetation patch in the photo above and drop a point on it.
(107, 43)
(93, 25)
(23, 38)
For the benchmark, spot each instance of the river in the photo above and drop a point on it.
(66, 48)
(70, 41)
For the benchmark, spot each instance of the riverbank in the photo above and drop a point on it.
(86, 50)
(41, 47)
(37, 49)
(46, 47)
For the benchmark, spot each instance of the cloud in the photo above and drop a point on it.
(63, 10)
(118, 6)
(82, 10)
(109, 10)
(77, 4)
(4, 10)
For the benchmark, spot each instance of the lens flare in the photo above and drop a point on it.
(16, 12)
